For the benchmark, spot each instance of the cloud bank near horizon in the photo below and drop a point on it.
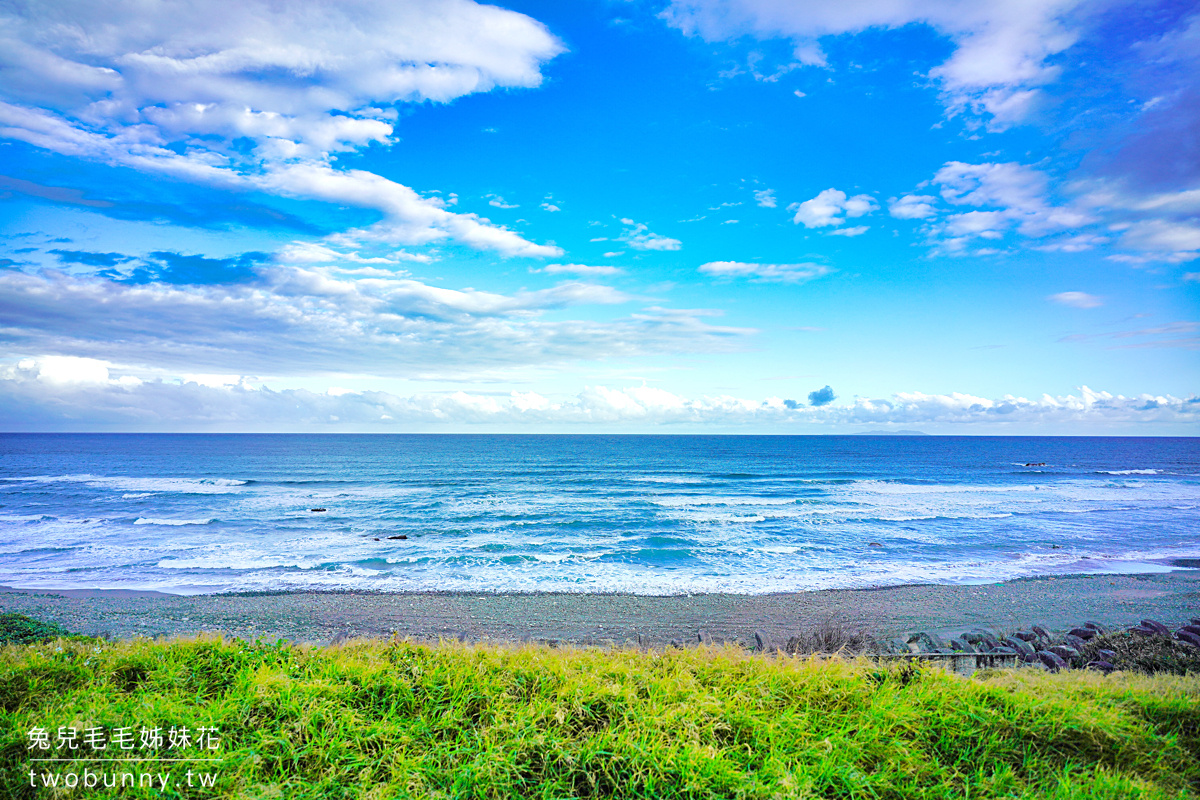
(53, 393)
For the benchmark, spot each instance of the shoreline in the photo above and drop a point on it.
(1056, 602)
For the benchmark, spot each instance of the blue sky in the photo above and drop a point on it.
(698, 215)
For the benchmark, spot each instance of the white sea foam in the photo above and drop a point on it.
(157, 521)
(1130, 472)
(676, 501)
(236, 562)
(147, 485)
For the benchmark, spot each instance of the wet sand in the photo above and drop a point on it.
(317, 617)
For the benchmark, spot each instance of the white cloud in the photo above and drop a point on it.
(1011, 196)
(765, 198)
(828, 207)
(1001, 49)
(1078, 243)
(988, 224)
(1168, 240)
(177, 87)
(550, 207)
(408, 217)
(1076, 299)
(72, 369)
(638, 236)
(28, 403)
(317, 320)
(314, 253)
(499, 202)
(912, 206)
(857, 230)
(766, 273)
(580, 269)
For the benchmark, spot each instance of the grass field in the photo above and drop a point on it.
(396, 719)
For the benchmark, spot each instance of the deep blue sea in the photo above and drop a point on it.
(641, 514)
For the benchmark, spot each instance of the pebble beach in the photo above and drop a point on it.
(1058, 602)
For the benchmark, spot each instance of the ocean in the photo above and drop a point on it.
(655, 515)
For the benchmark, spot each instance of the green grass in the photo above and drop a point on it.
(20, 629)
(396, 719)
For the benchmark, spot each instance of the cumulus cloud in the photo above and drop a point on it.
(1001, 50)
(829, 206)
(1076, 299)
(912, 206)
(295, 320)
(181, 87)
(1006, 196)
(765, 197)
(766, 273)
(29, 402)
(822, 397)
(638, 236)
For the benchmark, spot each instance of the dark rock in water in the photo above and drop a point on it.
(1142, 630)
(1102, 666)
(643, 640)
(1026, 636)
(1072, 640)
(974, 637)
(317, 510)
(1020, 645)
(1043, 634)
(1157, 627)
(1052, 660)
(1192, 629)
(874, 544)
(1084, 633)
(1189, 637)
(922, 642)
(962, 647)
(1063, 652)
(1107, 655)
(676, 644)
(397, 537)
(1096, 626)
(984, 646)
(702, 637)
(377, 538)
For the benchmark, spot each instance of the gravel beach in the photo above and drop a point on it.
(318, 617)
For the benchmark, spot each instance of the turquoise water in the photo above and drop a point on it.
(642, 514)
